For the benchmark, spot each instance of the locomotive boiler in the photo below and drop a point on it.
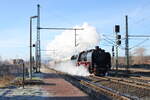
(97, 61)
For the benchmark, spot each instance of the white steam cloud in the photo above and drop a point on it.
(70, 68)
(64, 45)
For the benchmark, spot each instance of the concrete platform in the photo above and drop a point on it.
(53, 87)
(60, 89)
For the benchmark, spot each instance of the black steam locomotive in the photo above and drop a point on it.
(97, 61)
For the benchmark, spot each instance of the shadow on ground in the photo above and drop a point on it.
(46, 75)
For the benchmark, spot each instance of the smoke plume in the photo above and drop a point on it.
(64, 45)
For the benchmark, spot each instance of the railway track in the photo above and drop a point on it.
(134, 81)
(141, 79)
(130, 88)
(95, 90)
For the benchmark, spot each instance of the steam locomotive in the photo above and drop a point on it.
(97, 61)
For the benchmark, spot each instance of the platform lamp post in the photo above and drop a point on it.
(30, 73)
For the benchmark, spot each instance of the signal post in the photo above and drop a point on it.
(118, 42)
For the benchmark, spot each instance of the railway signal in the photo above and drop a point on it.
(118, 37)
(118, 42)
(113, 51)
(117, 28)
(113, 54)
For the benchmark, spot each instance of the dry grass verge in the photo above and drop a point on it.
(6, 80)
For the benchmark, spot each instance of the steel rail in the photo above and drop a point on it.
(141, 78)
(101, 90)
(105, 91)
(132, 81)
(124, 82)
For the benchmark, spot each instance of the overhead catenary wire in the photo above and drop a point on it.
(109, 38)
(137, 45)
(110, 42)
(141, 36)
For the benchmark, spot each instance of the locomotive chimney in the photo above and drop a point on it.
(97, 47)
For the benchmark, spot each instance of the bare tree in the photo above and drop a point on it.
(139, 55)
(131, 58)
(0, 60)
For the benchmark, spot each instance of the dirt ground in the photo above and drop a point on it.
(5, 80)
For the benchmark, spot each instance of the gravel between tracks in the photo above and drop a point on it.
(137, 93)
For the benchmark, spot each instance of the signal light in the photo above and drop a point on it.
(112, 48)
(118, 42)
(33, 45)
(118, 36)
(117, 28)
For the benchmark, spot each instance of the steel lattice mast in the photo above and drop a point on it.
(38, 51)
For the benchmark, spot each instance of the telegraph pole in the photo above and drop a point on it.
(127, 45)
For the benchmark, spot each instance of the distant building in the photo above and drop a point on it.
(17, 61)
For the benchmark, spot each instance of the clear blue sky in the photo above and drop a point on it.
(103, 14)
